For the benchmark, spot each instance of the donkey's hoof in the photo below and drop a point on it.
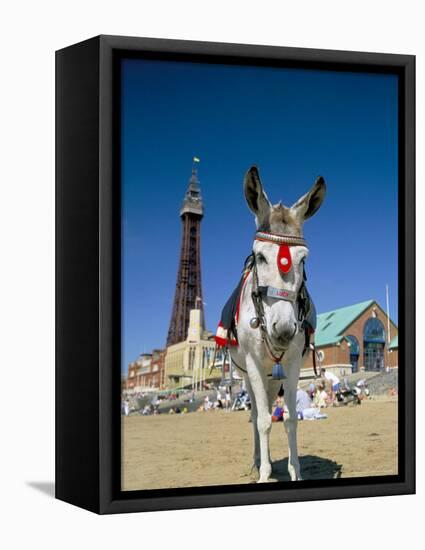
(265, 473)
(294, 475)
(264, 480)
(296, 478)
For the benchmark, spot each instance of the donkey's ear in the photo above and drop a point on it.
(310, 203)
(256, 197)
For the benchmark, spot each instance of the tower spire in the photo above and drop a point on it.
(188, 293)
(193, 199)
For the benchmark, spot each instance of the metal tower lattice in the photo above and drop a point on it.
(188, 294)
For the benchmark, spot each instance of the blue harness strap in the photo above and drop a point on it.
(229, 310)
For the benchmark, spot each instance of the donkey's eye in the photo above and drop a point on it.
(261, 258)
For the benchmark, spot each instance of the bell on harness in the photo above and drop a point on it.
(254, 322)
(277, 372)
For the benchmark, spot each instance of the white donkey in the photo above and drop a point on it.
(275, 315)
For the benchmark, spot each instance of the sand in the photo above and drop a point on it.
(215, 448)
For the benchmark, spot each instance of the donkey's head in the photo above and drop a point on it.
(280, 266)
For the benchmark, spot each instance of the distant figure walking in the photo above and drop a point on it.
(228, 397)
(334, 384)
(126, 407)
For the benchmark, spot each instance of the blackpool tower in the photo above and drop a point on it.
(188, 294)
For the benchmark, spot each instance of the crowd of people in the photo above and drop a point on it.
(322, 393)
(326, 392)
(222, 400)
(218, 397)
(307, 406)
(319, 395)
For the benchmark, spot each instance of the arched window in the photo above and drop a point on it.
(373, 344)
(374, 331)
(354, 345)
(354, 351)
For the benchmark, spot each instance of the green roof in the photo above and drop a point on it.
(394, 343)
(331, 324)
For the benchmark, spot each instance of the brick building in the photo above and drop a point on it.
(393, 349)
(355, 338)
(147, 372)
(132, 376)
(156, 378)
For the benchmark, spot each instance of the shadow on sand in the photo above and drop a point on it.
(46, 487)
(312, 467)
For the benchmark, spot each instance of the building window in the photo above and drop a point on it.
(374, 331)
(354, 344)
(373, 344)
(354, 348)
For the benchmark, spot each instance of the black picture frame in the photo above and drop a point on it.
(88, 275)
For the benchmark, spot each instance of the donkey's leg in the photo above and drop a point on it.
(254, 416)
(264, 420)
(291, 421)
(273, 387)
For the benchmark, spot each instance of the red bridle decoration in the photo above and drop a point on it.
(284, 260)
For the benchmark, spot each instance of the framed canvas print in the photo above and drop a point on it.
(235, 274)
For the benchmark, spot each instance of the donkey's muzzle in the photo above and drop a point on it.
(282, 334)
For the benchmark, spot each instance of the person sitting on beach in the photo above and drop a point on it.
(305, 408)
(277, 415)
(321, 398)
(303, 400)
(146, 410)
(219, 402)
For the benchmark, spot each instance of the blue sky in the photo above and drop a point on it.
(294, 125)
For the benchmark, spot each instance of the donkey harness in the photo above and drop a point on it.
(306, 313)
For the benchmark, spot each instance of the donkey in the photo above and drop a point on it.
(275, 315)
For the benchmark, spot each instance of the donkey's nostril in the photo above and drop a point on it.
(284, 333)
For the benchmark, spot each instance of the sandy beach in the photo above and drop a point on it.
(215, 448)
